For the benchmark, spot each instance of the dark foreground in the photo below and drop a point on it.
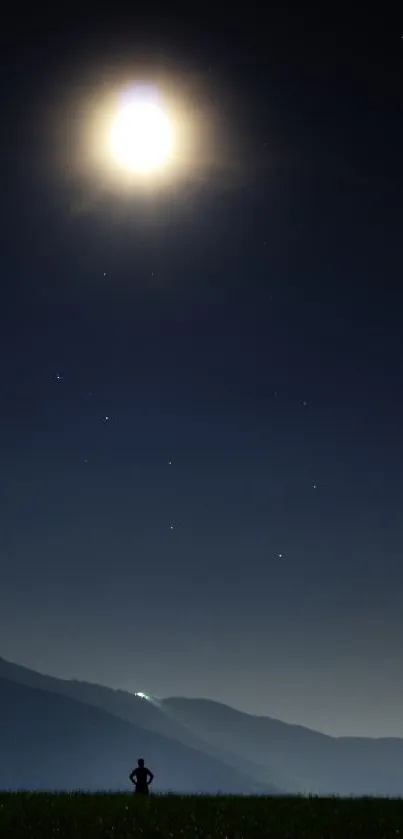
(88, 816)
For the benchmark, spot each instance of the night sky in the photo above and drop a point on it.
(201, 404)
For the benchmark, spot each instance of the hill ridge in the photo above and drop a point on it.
(268, 753)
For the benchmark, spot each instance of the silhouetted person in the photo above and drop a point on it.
(141, 777)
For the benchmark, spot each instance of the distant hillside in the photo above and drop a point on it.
(49, 741)
(296, 757)
(259, 752)
(127, 706)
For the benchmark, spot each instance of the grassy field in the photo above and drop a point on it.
(87, 816)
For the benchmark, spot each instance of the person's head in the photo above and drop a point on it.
(140, 761)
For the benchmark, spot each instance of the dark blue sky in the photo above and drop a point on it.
(242, 331)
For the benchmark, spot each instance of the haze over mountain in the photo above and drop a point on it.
(305, 760)
(50, 741)
(131, 708)
(69, 734)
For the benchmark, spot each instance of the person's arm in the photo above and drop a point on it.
(150, 777)
(132, 776)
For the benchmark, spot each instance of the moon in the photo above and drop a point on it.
(142, 137)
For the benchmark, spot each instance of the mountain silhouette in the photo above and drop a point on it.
(50, 741)
(246, 752)
(300, 759)
(151, 716)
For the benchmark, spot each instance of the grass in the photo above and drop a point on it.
(89, 816)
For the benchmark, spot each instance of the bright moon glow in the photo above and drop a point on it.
(141, 138)
(141, 695)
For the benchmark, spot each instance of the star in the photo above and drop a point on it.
(314, 486)
(169, 462)
(58, 377)
(280, 556)
(172, 527)
(304, 404)
(105, 419)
